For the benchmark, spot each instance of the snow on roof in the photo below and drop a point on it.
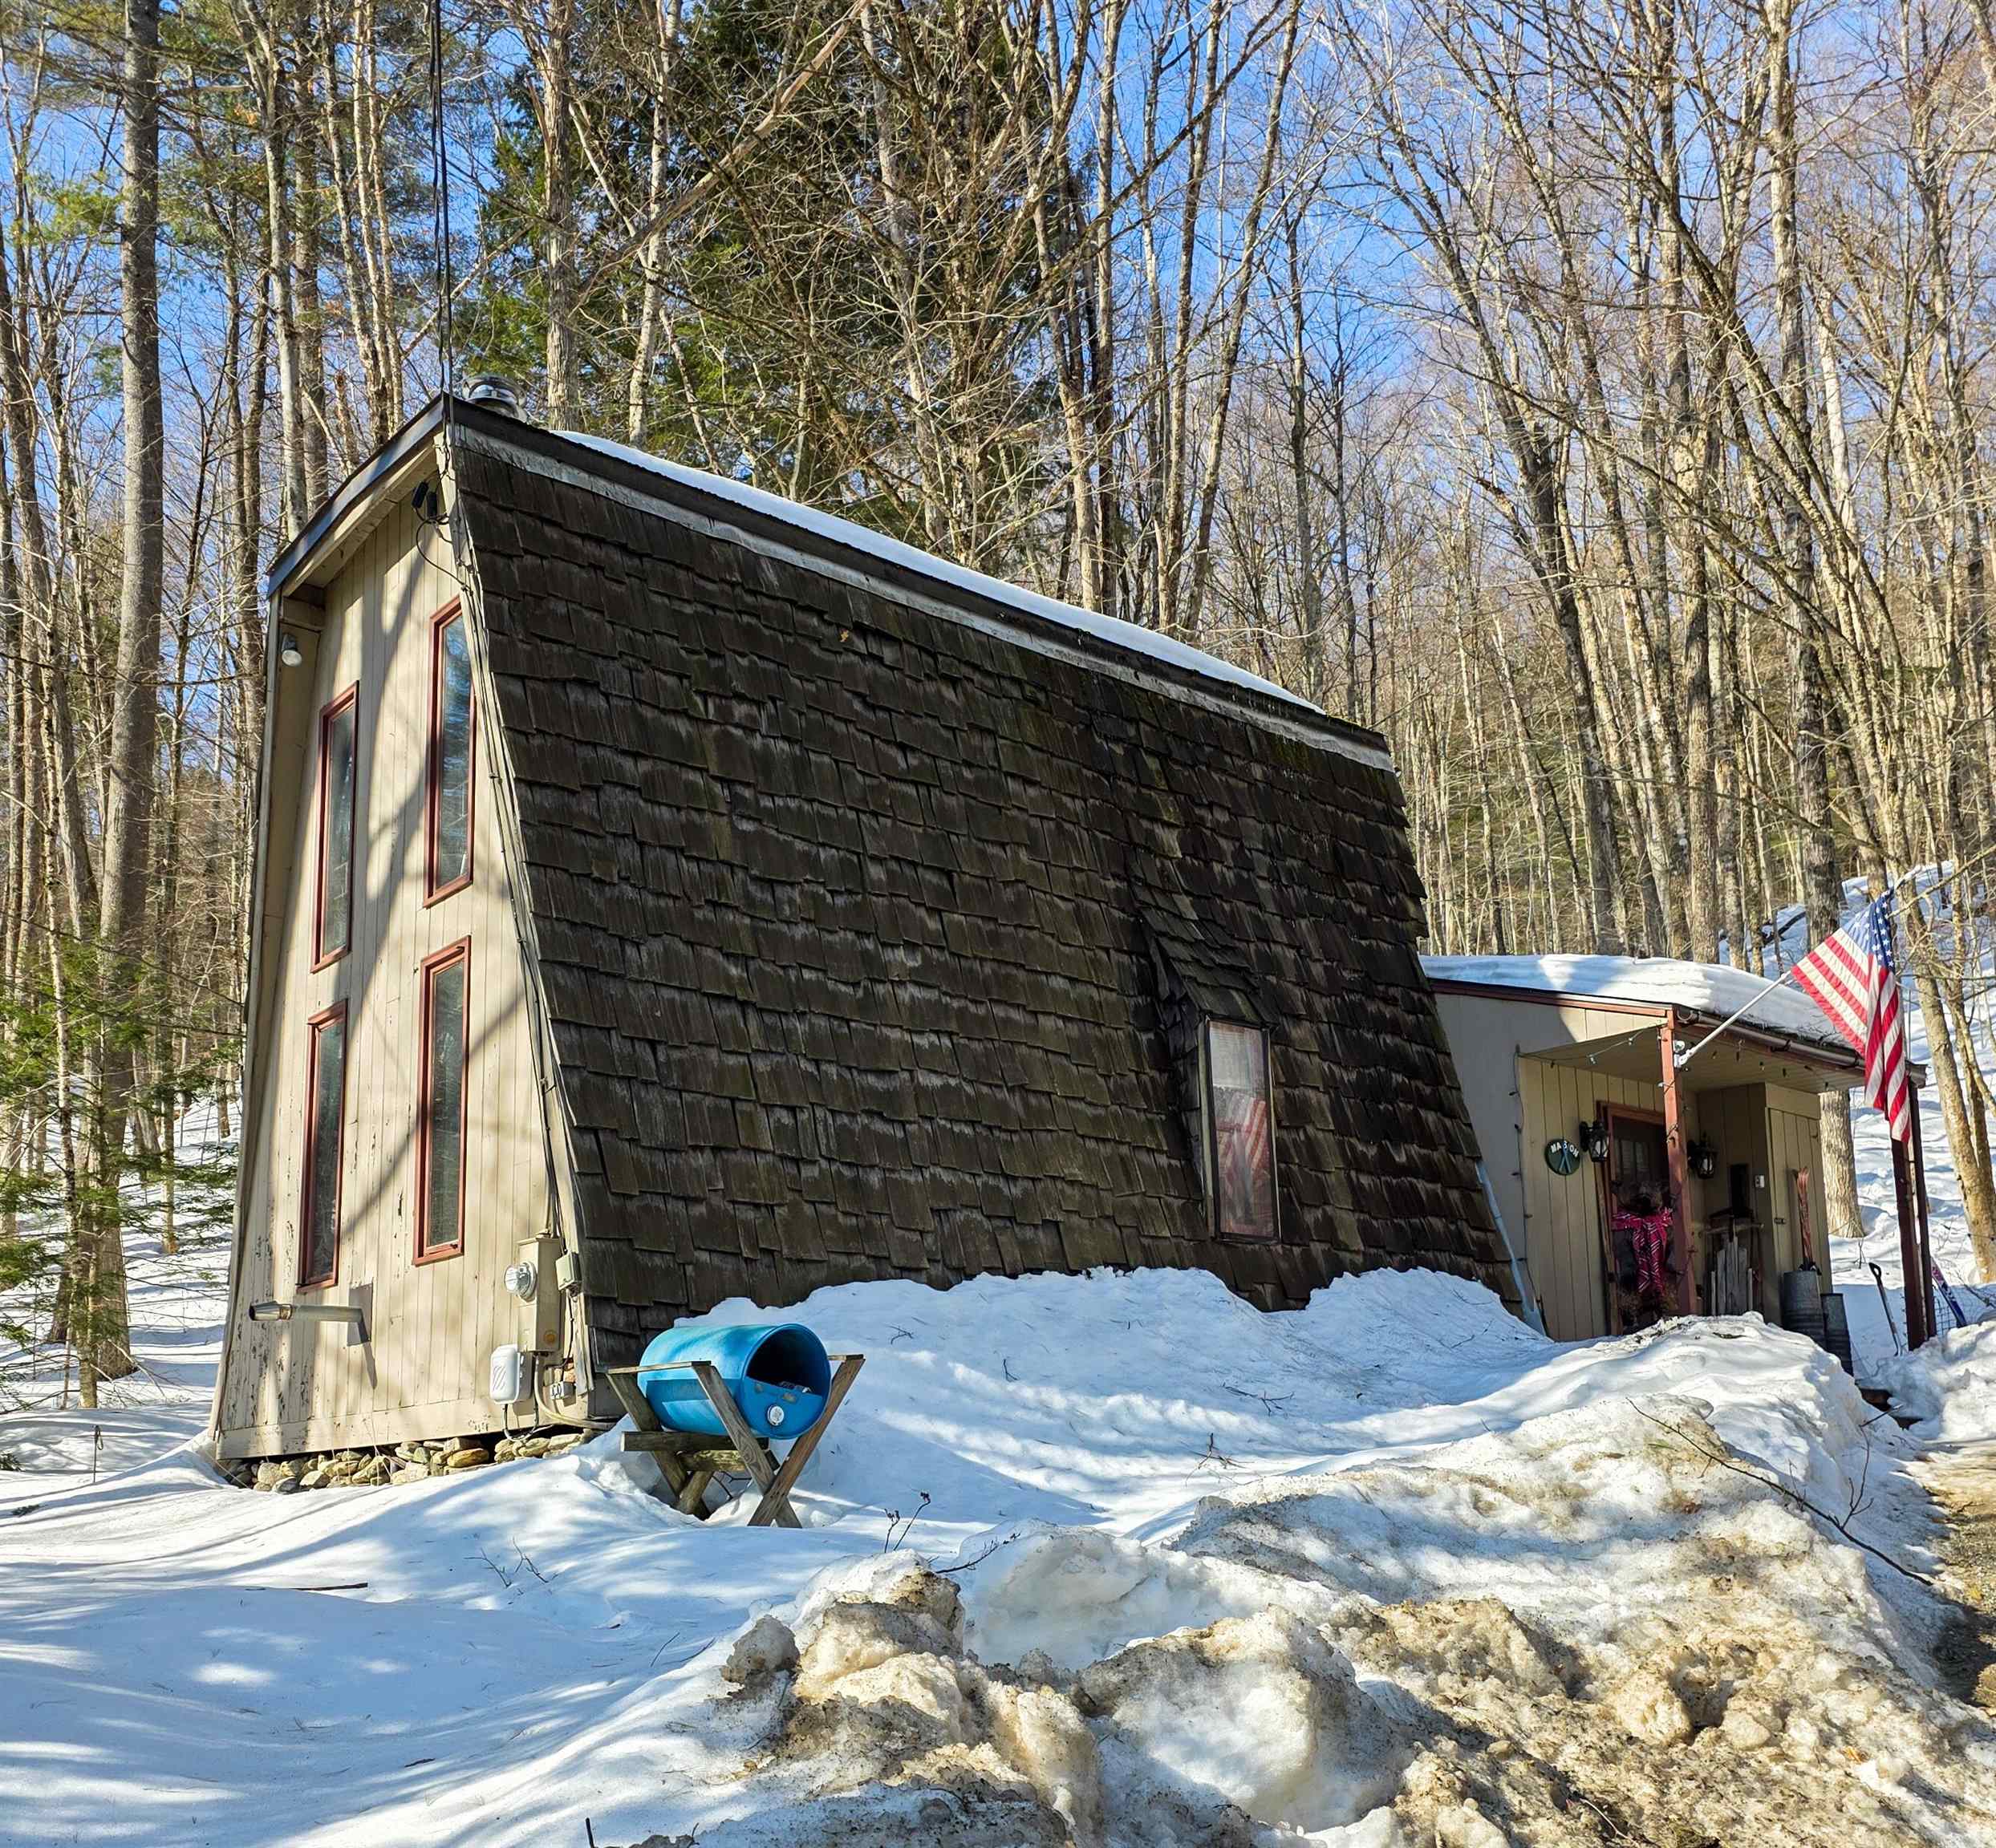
(1120, 634)
(1710, 988)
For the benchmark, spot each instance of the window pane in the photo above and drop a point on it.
(322, 1196)
(1243, 1151)
(452, 859)
(444, 1123)
(336, 857)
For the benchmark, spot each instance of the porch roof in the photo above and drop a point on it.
(1784, 1038)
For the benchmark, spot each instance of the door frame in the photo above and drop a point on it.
(1607, 1114)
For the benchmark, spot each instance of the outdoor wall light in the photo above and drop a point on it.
(1593, 1138)
(288, 650)
(1704, 1160)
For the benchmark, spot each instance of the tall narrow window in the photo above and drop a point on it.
(450, 723)
(1240, 1146)
(339, 756)
(439, 1228)
(325, 1120)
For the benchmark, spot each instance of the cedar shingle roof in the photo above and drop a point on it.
(860, 914)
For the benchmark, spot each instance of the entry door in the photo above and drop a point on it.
(1801, 1212)
(1638, 1157)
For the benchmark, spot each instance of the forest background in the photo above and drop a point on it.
(1598, 399)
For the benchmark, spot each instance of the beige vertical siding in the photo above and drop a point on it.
(1795, 1142)
(1517, 1104)
(424, 1373)
(1482, 1034)
(1562, 1213)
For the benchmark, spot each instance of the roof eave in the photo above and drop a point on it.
(1821, 1053)
(353, 503)
(556, 449)
(327, 538)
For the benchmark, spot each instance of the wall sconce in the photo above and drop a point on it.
(288, 650)
(1593, 1138)
(1704, 1160)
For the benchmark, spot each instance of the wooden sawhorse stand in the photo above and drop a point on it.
(691, 1460)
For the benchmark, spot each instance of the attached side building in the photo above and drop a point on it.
(1558, 1051)
(696, 896)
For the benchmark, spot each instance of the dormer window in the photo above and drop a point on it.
(1211, 1009)
(1240, 1141)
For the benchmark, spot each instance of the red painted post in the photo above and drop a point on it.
(1919, 1198)
(1678, 1159)
(1909, 1267)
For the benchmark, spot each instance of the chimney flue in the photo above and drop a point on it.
(491, 391)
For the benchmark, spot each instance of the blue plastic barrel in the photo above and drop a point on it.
(778, 1376)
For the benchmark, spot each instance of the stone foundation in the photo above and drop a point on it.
(415, 1461)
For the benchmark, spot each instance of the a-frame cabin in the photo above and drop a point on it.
(696, 896)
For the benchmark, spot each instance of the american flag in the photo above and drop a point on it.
(1246, 1203)
(1851, 978)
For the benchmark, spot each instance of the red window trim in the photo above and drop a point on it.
(321, 956)
(314, 1026)
(426, 1252)
(432, 893)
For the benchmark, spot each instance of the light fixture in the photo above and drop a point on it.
(1593, 1138)
(1704, 1160)
(288, 650)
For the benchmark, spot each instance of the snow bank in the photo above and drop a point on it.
(1949, 1386)
(1114, 1559)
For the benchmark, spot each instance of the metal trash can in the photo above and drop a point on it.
(777, 1374)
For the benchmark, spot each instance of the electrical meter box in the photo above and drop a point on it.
(540, 1310)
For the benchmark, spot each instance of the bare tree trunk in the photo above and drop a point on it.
(127, 849)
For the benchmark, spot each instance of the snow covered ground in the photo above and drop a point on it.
(177, 1305)
(1570, 1582)
(1113, 1560)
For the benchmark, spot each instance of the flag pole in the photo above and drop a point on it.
(1908, 1172)
(1911, 1245)
(1920, 1199)
(1738, 1013)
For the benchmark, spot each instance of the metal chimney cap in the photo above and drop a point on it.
(490, 390)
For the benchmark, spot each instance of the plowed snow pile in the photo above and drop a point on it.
(1949, 1386)
(1728, 1675)
(1112, 1561)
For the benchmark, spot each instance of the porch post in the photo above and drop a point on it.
(1908, 1245)
(1919, 1194)
(1678, 1158)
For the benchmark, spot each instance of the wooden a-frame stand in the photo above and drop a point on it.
(691, 1460)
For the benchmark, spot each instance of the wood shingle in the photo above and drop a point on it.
(870, 934)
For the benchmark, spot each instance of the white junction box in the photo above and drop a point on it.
(511, 1375)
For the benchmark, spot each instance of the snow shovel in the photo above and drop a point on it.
(1878, 1277)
